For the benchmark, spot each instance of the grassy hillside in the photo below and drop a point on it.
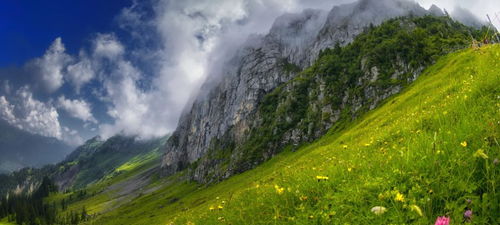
(430, 151)
(342, 84)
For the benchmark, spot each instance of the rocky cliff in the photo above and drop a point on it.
(209, 136)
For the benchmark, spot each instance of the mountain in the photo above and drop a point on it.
(97, 159)
(230, 127)
(425, 152)
(20, 149)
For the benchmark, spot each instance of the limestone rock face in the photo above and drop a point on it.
(225, 113)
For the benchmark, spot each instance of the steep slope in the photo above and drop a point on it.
(20, 149)
(223, 114)
(342, 84)
(430, 151)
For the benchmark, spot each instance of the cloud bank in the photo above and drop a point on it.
(27, 113)
(23, 111)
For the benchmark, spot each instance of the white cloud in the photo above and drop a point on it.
(36, 117)
(81, 72)
(27, 113)
(76, 108)
(72, 137)
(7, 110)
(106, 46)
(49, 68)
(129, 106)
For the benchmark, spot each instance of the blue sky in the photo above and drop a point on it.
(30, 26)
(80, 68)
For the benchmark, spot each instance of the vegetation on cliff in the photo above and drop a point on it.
(344, 83)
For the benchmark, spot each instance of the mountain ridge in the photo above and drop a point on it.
(222, 118)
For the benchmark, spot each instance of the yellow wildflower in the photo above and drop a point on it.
(464, 144)
(399, 197)
(211, 208)
(349, 169)
(279, 189)
(320, 178)
(344, 146)
(303, 198)
(220, 207)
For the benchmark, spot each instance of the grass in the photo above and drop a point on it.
(424, 153)
(4, 221)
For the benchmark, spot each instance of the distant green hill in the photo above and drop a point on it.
(97, 159)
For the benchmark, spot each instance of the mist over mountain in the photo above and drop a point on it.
(20, 149)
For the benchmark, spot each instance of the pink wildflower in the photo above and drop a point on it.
(442, 220)
(468, 215)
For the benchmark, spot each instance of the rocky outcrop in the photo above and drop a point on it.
(224, 116)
